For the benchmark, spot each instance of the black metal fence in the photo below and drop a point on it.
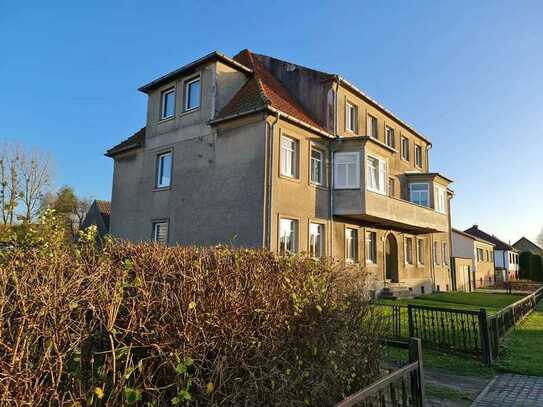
(402, 387)
(466, 332)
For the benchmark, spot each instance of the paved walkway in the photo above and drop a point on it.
(512, 390)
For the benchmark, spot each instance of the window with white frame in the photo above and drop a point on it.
(167, 103)
(419, 193)
(372, 127)
(164, 170)
(371, 247)
(160, 231)
(317, 166)
(440, 199)
(289, 157)
(420, 251)
(389, 137)
(346, 170)
(418, 156)
(316, 240)
(445, 248)
(192, 94)
(435, 253)
(288, 232)
(376, 175)
(405, 148)
(351, 245)
(409, 250)
(351, 117)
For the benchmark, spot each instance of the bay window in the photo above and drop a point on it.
(346, 170)
(376, 175)
(419, 193)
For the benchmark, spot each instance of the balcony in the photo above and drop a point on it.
(387, 212)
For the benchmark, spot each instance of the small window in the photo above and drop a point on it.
(409, 250)
(371, 247)
(419, 194)
(372, 127)
(289, 157)
(317, 166)
(420, 251)
(167, 109)
(192, 94)
(351, 245)
(440, 199)
(164, 170)
(316, 240)
(438, 288)
(351, 117)
(422, 289)
(160, 232)
(390, 140)
(436, 253)
(418, 156)
(346, 171)
(405, 148)
(445, 248)
(288, 233)
(391, 187)
(376, 177)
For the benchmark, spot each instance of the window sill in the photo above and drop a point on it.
(318, 186)
(166, 119)
(288, 178)
(186, 112)
(158, 189)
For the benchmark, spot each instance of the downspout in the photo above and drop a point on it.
(453, 282)
(271, 131)
(434, 254)
(331, 172)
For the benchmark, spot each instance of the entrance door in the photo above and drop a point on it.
(391, 262)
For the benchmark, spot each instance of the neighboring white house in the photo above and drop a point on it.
(506, 257)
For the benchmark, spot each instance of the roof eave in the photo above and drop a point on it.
(212, 55)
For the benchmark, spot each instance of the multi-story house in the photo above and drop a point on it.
(258, 152)
(473, 262)
(506, 257)
(525, 245)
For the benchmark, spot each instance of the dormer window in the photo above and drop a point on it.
(167, 108)
(192, 94)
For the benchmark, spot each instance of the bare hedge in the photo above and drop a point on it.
(152, 325)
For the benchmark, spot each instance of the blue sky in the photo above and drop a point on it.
(468, 75)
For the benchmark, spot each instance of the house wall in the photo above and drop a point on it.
(484, 269)
(463, 272)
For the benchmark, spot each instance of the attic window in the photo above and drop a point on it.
(167, 109)
(192, 94)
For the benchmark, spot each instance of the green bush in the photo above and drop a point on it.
(153, 325)
(531, 266)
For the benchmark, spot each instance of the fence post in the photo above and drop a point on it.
(415, 355)
(495, 336)
(484, 334)
(410, 320)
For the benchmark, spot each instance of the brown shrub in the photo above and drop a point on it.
(154, 325)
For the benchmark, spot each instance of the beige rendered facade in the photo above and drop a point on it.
(473, 261)
(280, 156)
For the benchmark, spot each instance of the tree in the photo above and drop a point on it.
(35, 172)
(525, 265)
(536, 268)
(68, 206)
(9, 183)
(540, 238)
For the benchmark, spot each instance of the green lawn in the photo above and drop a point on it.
(464, 301)
(523, 348)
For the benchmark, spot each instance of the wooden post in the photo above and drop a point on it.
(485, 337)
(415, 355)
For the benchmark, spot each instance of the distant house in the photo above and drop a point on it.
(506, 257)
(525, 245)
(98, 214)
(473, 261)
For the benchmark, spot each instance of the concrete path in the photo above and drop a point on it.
(512, 390)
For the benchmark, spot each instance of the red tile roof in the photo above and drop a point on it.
(263, 89)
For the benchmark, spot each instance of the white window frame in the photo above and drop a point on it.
(411, 192)
(163, 96)
(373, 131)
(321, 166)
(186, 88)
(293, 235)
(381, 172)
(156, 230)
(390, 130)
(409, 258)
(371, 247)
(289, 168)
(160, 170)
(440, 199)
(352, 164)
(351, 245)
(351, 117)
(314, 244)
(420, 251)
(418, 157)
(404, 147)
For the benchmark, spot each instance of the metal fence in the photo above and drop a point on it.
(466, 332)
(402, 387)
